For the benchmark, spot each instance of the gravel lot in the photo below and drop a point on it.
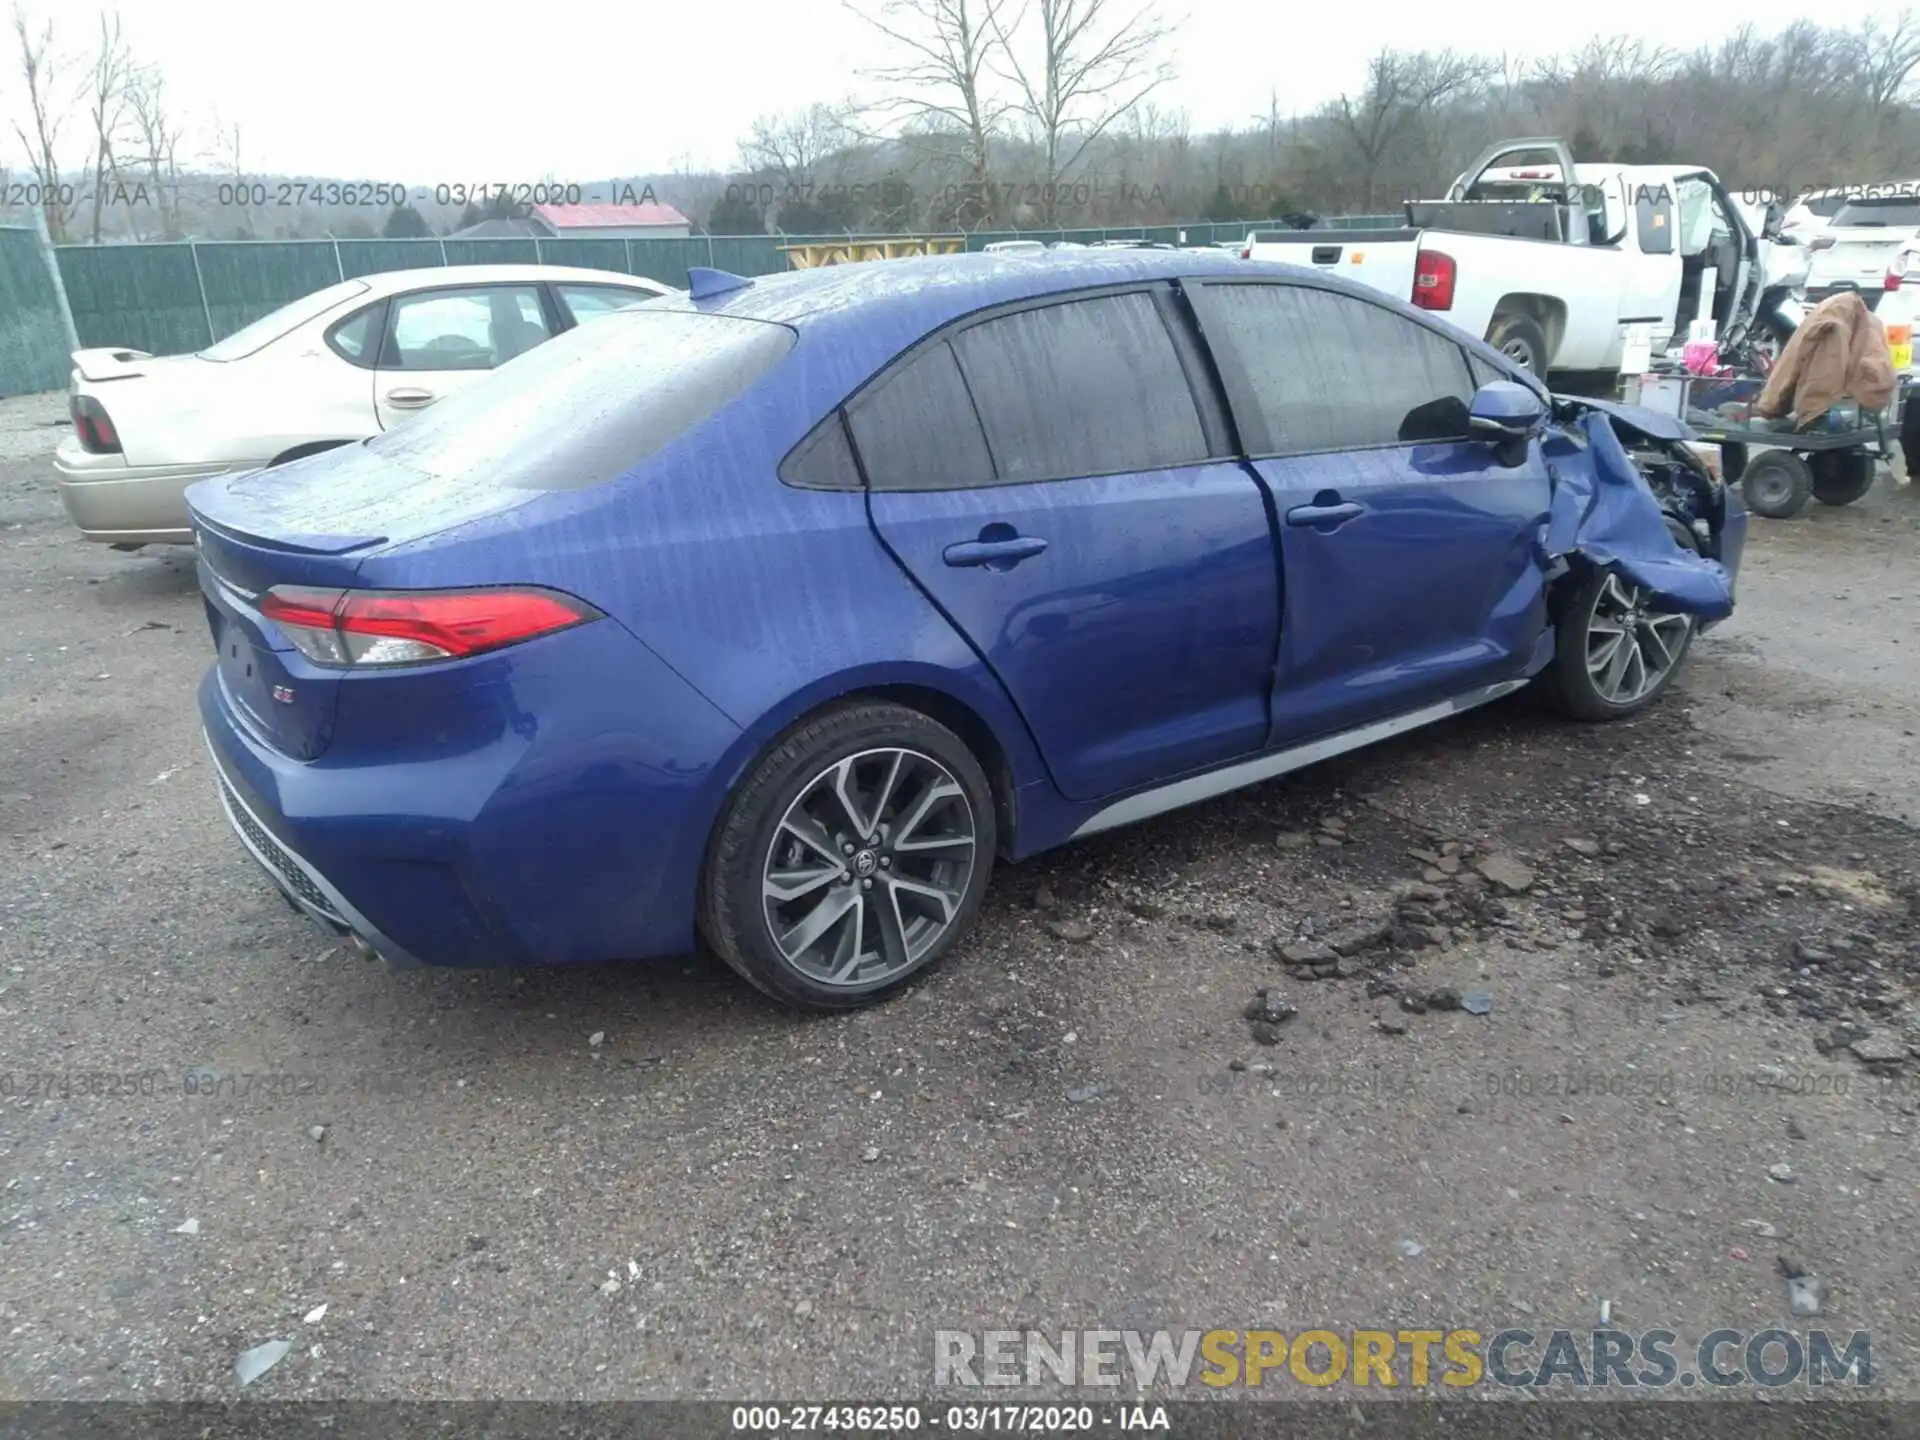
(643, 1182)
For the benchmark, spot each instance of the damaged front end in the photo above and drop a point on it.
(1630, 494)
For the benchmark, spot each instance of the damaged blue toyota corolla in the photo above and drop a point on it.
(772, 615)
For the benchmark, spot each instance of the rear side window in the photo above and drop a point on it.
(588, 406)
(824, 460)
(917, 429)
(589, 302)
(1090, 387)
(354, 339)
(1323, 371)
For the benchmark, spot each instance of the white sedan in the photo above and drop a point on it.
(334, 367)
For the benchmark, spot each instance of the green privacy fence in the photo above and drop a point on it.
(173, 298)
(33, 345)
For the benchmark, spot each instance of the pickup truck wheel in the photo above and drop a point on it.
(1521, 341)
(1776, 484)
(1841, 477)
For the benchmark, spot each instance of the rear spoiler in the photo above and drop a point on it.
(109, 364)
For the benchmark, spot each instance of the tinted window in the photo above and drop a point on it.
(590, 405)
(587, 302)
(1482, 372)
(1902, 212)
(269, 328)
(917, 430)
(824, 460)
(1093, 387)
(1329, 372)
(355, 337)
(1827, 206)
(476, 329)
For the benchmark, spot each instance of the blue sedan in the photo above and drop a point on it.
(772, 616)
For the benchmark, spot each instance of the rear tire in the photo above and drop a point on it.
(1841, 477)
(851, 859)
(1605, 667)
(1776, 484)
(1521, 341)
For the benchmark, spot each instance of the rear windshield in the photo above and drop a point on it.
(1902, 213)
(591, 404)
(268, 328)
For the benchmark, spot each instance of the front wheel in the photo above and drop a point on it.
(1613, 654)
(851, 859)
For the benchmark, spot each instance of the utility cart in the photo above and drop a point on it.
(1835, 466)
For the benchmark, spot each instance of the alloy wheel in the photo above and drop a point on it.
(1631, 649)
(868, 867)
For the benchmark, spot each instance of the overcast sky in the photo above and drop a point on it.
(424, 92)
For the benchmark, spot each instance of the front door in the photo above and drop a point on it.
(441, 341)
(1047, 479)
(1410, 571)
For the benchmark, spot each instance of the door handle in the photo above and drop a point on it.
(999, 554)
(408, 398)
(1329, 517)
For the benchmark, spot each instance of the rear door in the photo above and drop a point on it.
(440, 341)
(1054, 481)
(1408, 554)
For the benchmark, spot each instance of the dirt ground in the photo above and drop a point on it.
(643, 1182)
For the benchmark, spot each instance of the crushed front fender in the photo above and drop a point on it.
(1604, 510)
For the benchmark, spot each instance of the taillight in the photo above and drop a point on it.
(346, 628)
(1246, 252)
(1433, 277)
(90, 423)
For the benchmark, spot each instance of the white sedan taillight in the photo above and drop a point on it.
(345, 628)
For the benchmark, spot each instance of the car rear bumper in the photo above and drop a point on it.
(120, 504)
(306, 889)
(565, 823)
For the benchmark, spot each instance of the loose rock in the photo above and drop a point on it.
(1506, 872)
(1076, 932)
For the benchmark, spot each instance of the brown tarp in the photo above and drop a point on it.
(1839, 352)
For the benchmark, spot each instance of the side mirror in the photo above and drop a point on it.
(1506, 415)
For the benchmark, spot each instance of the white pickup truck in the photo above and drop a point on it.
(1553, 273)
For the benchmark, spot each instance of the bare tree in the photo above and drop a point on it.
(1092, 67)
(1400, 90)
(156, 138)
(795, 147)
(109, 79)
(47, 107)
(1887, 59)
(228, 149)
(937, 88)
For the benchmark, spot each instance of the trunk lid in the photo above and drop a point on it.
(283, 700)
(313, 522)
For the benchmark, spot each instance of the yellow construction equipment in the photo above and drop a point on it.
(851, 252)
